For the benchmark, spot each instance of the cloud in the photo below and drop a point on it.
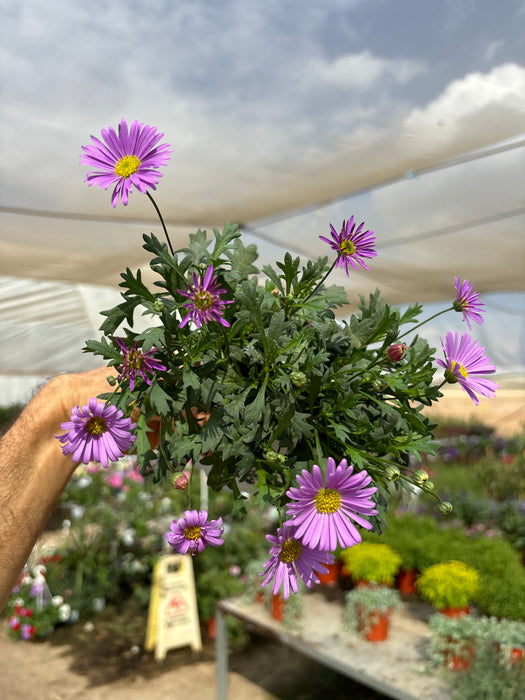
(364, 70)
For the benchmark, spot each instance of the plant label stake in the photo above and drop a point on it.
(173, 620)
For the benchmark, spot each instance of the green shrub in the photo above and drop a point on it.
(503, 478)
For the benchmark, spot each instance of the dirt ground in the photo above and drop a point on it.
(108, 662)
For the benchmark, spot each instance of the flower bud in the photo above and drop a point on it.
(429, 486)
(158, 306)
(274, 457)
(380, 385)
(180, 481)
(446, 508)
(111, 380)
(298, 379)
(420, 477)
(392, 473)
(275, 292)
(397, 351)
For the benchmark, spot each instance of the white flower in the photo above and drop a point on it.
(77, 512)
(84, 482)
(57, 600)
(64, 612)
(98, 604)
(128, 536)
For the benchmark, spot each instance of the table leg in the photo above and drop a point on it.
(221, 656)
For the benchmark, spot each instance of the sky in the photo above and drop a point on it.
(284, 116)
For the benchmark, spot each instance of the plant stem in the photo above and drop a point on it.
(161, 221)
(430, 318)
(320, 283)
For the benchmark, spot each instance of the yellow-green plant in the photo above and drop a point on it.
(451, 584)
(369, 561)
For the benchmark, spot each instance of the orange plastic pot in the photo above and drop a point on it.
(455, 612)
(406, 581)
(459, 660)
(374, 625)
(332, 577)
(277, 608)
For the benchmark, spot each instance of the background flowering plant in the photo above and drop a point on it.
(290, 394)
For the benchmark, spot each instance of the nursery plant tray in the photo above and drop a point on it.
(394, 667)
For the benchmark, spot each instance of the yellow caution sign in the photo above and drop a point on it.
(173, 619)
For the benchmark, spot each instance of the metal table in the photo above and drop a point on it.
(395, 667)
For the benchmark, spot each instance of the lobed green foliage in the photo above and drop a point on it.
(286, 384)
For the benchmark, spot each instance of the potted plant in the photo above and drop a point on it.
(449, 586)
(509, 637)
(453, 640)
(371, 563)
(367, 611)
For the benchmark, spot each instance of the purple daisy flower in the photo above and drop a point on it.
(193, 532)
(291, 558)
(137, 362)
(466, 363)
(323, 513)
(467, 301)
(129, 159)
(352, 245)
(96, 433)
(205, 304)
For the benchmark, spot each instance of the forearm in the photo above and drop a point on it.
(33, 470)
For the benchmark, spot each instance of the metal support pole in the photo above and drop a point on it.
(221, 656)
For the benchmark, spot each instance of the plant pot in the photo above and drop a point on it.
(516, 655)
(459, 659)
(455, 612)
(211, 628)
(277, 608)
(406, 581)
(373, 624)
(332, 577)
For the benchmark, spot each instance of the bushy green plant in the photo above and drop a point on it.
(285, 383)
(489, 677)
(510, 519)
(369, 561)
(408, 534)
(503, 478)
(367, 603)
(502, 577)
(477, 639)
(451, 584)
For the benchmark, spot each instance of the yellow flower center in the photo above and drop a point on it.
(347, 247)
(290, 550)
(327, 501)
(203, 299)
(193, 532)
(127, 165)
(461, 368)
(96, 426)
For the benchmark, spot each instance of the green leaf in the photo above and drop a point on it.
(160, 400)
